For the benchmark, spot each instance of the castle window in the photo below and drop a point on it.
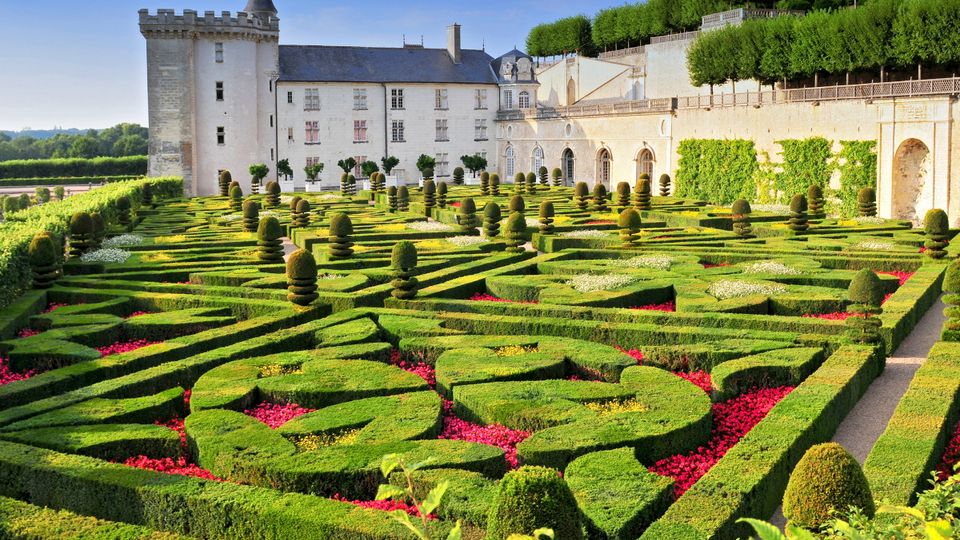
(396, 98)
(441, 165)
(537, 159)
(312, 132)
(270, 84)
(508, 100)
(311, 161)
(290, 134)
(524, 100)
(311, 99)
(440, 99)
(396, 131)
(359, 99)
(480, 98)
(218, 52)
(510, 165)
(271, 154)
(219, 90)
(442, 134)
(357, 170)
(271, 120)
(480, 129)
(221, 135)
(359, 131)
(289, 97)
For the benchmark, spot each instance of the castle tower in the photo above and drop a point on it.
(211, 93)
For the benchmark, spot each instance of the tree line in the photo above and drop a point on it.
(117, 141)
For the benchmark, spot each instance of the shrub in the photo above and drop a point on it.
(403, 261)
(623, 196)
(542, 173)
(516, 233)
(302, 217)
(557, 175)
(73, 167)
(867, 202)
(516, 204)
(10, 205)
(403, 198)
(341, 231)
(530, 498)
(123, 211)
(458, 176)
(936, 227)
(42, 194)
(467, 217)
(546, 217)
(442, 194)
(641, 197)
(236, 198)
(61, 192)
(44, 260)
(273, 194)
(224, 181)
(580, 194)
(815, 199)
(81, 234)
(491, 220)
(99, 228)
(484, 183)
(293, 205)
(827, 478)
(531, 182)
(798, 214)
(600, 198)
(664, 185)
(269, 245)
(392, 201)
(741, 218)
(251, 215)
(429, 195)
(427, 173)
(345, 184)
(629, 222)
(495, 185)
(146, 195)
(301, 278)
(866, 297)
(519, 183)
(24, 201)
(231, 185)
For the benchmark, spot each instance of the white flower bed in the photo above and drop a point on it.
(585, 233)
(429, 226)
(467, 241)
(654, 262)
(123, 240)
(268, 213)
(875, 245)
(592, 282)
(770, 267)
(532, 222)
(229, 218)
(870, 220)
(771, 208)
(330, 276)
(722, 290)
(105, 256)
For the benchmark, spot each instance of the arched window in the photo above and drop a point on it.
(603, 171)
(568, 162)
(537, 159)
(645, 163)
(510, 162)
(524, 100)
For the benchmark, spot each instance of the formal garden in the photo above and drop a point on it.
(510, 359)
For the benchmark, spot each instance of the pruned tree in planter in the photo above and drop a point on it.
(313, 172)
(389, 163)
(284, 170)
(258, 171)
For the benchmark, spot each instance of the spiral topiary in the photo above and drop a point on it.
(123, 211)
(936, 227)
(867, 202)
(81, 234)
(345, 184)
(146, 194)
(520, 183)
(664, 185)
(293, 205)
(798, 214)
(273, 194)
(467, 217)
(403, 198)
(815, 199)
(269, 245)
(392, 200)
(44, 260)
(826, 479)
(251, 215)
(428, 173)
(600, 198)
(442, 194)
(403, 261)
(491, 220)
(458, 176)
(542, 173)
(580, 195)
(484, 183)
(557, 175)
(495, 185)
(99, 229)
(516, 233)
(530, 498)
(429, 195)
(230, 186)
(516, 204)
(236, 199)
(341, 232)
(301, 278)
(531, 182)
(740, 212)
(629, 223)
(642, 193)
(302, 217)
(866, 298)
(224, 181)
(546, 217)
(623, 195)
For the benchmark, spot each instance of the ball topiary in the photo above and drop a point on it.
(44, 260)
(867, 202)
(99, 229)
(623, 196)
(798, 214)
(25, 201)
(81, 234)
(866, 297)
(520, 183)
(546, 217)
(516, 204)
(273, 194)
(269, 245)
(458, 176)
(236, 198)
(224, 181)
(516, 233)
(123, 211)
(580, 194)
(629, 223)
(403, 198)
(600, 198)
(664, 185)
(428, 173)
(60, 192)
(301, 278)
(557, 175)
(429, 195)
(442, 194)
(392, 200)
(826, 479)
(936, 227)
(530, 498)
(495, 185)
(491, 220)
(403, 261)
(542, 173)
(740, 214)
(642, 194)
(341, 232)
(815, 199)
(467, 217)
(531, 182)
(251, 215)
(484, 183)
(146, 194)
(302, 217)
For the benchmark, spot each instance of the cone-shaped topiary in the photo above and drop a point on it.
(81, 234)
(251, 215)
(495, 184)
(740, 212)
(580, 195)
(224, 181)
(293, 205)
(341, 232)
(458, 176)
(302, 217)
(815, 199)
(484, 183)
(516, 233)
(269, 245)
(600, 198)
(826, 479)
(531, 182)
(520, 183)
(403, 198)
(629, 223)
(301, 278)
(866, 297)
(491, 220)
(230, 186)
(623, 196)
(467, 217)
(546, 217)
(557, 175)
(530, 498)
(516, 204)
(99, 229)
(44, 260)
(936, 227)
(236, 199)
(123, 211)
(542, 173)
(867, 202)
(392, 199)
(147, 194)
(442, 194)
(273, 194)
(642, 193)
(429, 195)
(798, 214)
(664, 185)
(403, 261)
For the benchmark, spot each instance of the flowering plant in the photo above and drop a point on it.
(725, 289)
(592, 282)
(770, 267)
(429, 226)
(654, 262)
(106, 256)
(123, 240)
(585, 233)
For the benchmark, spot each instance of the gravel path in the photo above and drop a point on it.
(288, 247)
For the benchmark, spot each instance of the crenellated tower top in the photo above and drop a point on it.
(166, 23)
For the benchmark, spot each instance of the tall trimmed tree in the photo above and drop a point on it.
(236, 199)
(495, 185)
(520, 183)
(600, 198)
(341, 236)
(867, 202)
(866, 298)
(458, 176)
(623, 196)
(798, 221)
(491, 220)
(302, 278)
(467, 217)
(581, 194)
(741, 218)
(516, 233)
(81, 234)
(557, 175)
(302, 217)
(815, 199)
(403, 198)
(269, 244)
(936, 227)
(403, 262)
(251, 215)
(542, 173)
(642, 195)
(442, 194)
(273, 194)
(664, 185)
(429, 196)
(224, 181)
(531, 182)
(45, 265)
(546, 217)
(630, 223)
(484, 183)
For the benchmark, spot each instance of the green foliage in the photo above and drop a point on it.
(458, 176)
(741, 218)
(600, 198)
(815, 199)
(99, 228)
(716, 170)
(557, 176)
(516, 204)
(516, 233)
(581, 194)
(81, 234)
(542, 174)
(530, 498)
(827, 478)
(258, 171)
(806, 162)
(642, 193)
(546, 217)
(54, 168)
(42, 194)
(340, 236)
(491, 220)
(389, 163)
(519, 183)
(429, 195)
(313, 171)
(119, 141)
(347, 164)
(403, 198)
(857, 163)
(251, 215)
(866, 296)
(146, 195)
(273, 194)
(425, 508)
(467, 220)
(531, 182)
(867, 202)
(495, 184)
(269, 245)
(629, 222)
(936, 227)
(623, 195)
(60, 192)
(425, 162)
(567, 35)
(393, 198)
(474, 163)
(24, 201)
(223, 181)
(236, 198)
(484, 183)
(403, 261)
(301, 278)
(301, 218)
(368, 168)
(798, 214)
(664, 185)
(428, 173)
(284, 170)
(442, 194)
(44, 260)
(951, 279)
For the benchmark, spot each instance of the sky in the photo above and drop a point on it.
(82, 63)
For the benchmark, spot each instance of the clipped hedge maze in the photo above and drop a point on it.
(169, 388)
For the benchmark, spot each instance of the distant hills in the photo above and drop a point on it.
(42, 133)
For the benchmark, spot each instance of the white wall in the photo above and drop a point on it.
(587, 73)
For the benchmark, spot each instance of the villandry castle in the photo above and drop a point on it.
(224, 94)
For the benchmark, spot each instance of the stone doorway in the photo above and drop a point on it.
(910, 176)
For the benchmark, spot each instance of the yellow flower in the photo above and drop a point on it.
(276, 369)
(323, 440)
(515, 350)
(616, 406)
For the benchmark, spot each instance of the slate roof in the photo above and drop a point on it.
(320, 63)
(256, 6)
(512, 55)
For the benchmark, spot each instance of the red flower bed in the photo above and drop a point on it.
(699, 378)
(599, 222)
(422, 369)
(455, 205)
(732, 419)
(902, 276)
(636, 354)
(670, 306)
(502, 437)
(176, 424)
(178, 466)
(951, 456)
(117, 348)
(53, 307)
(275, 415)
(838, 316)
(708, 265)
(137, 314)
(8, 376)
(386, 506)
(484, 297)
(27, 332)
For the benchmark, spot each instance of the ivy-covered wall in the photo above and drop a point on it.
(857, 163)
(805, 162)
(720, 171)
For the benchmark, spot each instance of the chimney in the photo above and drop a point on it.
(453, 42)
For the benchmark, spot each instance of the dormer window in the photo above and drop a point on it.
(524, 100)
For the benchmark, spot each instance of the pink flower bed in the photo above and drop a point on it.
(54, 307)
(117, 348)
(27, 332)
(902, 276)
(732, 419)
(484, 297)
(838, 316)
(951, 456)
(386, 506)
(599, 222)
(275, 415)
(708, 265)
(699, 378)
(455, 205)
(8, 376)
(179, 466)
(137, 314)
(636, 354)
(421, 369)
(670, 306)
(502, 437)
